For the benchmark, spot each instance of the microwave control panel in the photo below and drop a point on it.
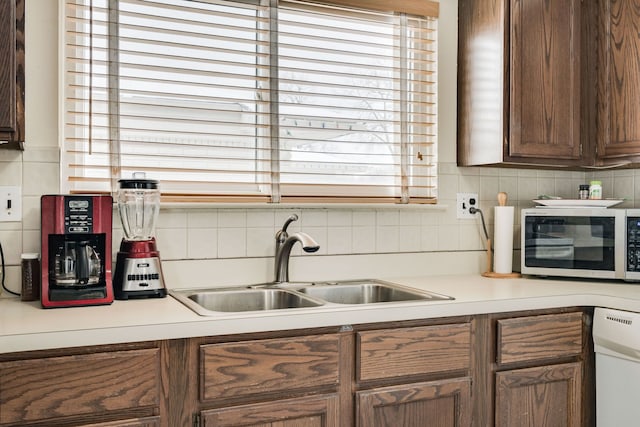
(633, 244)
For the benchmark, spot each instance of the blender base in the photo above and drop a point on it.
(125, 295)
(138, 271)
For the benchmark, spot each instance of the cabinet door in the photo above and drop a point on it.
(618, 86)
(317, 411)
(11, 73)
(139, 422)
(90, 385)
(7, 69)
(545, 104)
(444, 403)
(547, 396)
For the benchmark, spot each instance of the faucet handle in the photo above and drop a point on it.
(292, 217)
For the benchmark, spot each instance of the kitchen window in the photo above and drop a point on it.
(241, 100)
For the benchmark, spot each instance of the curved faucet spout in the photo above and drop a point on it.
(284, 243)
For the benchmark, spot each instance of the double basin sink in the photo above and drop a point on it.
(279, 296)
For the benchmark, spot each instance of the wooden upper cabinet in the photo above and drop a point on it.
(545, 80)
(12, 74)
(618, 81)
(519, 82)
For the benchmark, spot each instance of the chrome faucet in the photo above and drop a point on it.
(284, 243)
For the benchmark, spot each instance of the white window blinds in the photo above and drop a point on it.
(250, 100)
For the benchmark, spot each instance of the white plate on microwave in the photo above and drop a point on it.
(578, 203)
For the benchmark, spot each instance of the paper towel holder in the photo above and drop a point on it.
(502, 201)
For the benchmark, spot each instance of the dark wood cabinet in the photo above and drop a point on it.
(519, 82)
(444, 403)
(12, 84)
(527, 369)
(541, 371)
(547, 396)
(618, 81)
(544, 59)
(410, 374)
(140, 422)
(316, 411)
(111, 386)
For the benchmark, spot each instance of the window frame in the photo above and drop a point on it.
(275, 195)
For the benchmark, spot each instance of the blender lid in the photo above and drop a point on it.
(143, 184)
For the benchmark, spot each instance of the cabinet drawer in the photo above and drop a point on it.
(401, 352)
(254, 367)
(54, 387)
(539, 337)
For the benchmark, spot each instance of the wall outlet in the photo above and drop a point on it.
(464, 201)
(10, 204)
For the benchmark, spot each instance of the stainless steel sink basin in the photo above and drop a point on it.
(280, 296)
(243, 299)
(367, 292)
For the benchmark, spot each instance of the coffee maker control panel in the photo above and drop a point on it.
(78, 215)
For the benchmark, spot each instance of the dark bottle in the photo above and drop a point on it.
(30, 277)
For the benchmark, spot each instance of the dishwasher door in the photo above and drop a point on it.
(616, 338)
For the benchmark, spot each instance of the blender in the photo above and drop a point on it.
(138, 272)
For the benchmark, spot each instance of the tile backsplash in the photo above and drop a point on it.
(223, 233)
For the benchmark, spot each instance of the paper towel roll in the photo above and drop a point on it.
(503, 239)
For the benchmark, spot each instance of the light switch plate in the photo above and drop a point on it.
(10, 204)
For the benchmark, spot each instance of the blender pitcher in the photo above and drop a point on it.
(138, 271)
(138, 204)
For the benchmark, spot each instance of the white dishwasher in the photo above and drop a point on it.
(616, 339)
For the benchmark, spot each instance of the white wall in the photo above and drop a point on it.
(217, 245)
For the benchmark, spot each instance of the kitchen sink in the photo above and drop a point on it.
(244, 299)
(280, 296)
(367, 292)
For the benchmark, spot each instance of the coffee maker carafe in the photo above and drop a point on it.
(77, 263)
(76, 250)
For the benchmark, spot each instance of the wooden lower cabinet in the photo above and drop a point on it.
(544, 396)
(316, 411)
(543, 370)
(109, 383)
(140, 422)
(532, 369)
(444, 403)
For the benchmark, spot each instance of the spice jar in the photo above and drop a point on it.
(583, 192)
(595, 190)
(30, 263)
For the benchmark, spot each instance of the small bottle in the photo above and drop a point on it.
(583, 192)
(595, 190)
(30, 263)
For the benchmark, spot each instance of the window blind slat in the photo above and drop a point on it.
(206, 98)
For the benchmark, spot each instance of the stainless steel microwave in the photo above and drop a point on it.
(581, 242)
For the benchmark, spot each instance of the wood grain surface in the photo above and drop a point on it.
(316, 411)
(542, 396)
(401, 352)
(256, 367)
(539, 337)
(76, 385)
(438, 403)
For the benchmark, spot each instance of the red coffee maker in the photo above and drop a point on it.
(76, 250)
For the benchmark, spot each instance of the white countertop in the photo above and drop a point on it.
(26, 326)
